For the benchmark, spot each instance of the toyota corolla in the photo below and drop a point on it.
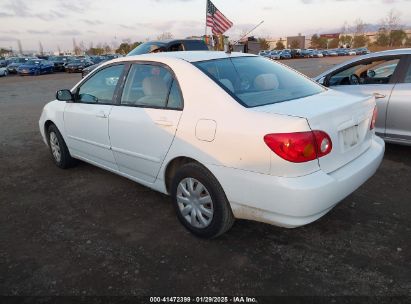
(225, 135)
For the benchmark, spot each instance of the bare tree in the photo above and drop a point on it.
(20, 47)
(165, 35)
(359, 27)
(345, 28)
(392, 20)
(41, 48)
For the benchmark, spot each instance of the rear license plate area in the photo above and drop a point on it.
(351, 137)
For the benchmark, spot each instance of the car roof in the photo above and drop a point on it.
(189, 56)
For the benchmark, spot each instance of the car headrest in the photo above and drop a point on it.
(154, 85)
(265, 82)
(228, 84)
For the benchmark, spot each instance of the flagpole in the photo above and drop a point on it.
(205, 32)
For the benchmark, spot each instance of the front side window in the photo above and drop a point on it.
(256, 81)
(150, 86)
(100, 87)
(374, 71)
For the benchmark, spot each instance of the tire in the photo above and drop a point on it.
(64, 161)
(221, 219)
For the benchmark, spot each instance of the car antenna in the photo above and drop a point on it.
(231, 46)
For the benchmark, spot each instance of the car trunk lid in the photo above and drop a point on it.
(345, 118)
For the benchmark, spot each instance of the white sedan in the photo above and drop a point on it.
(225, 135)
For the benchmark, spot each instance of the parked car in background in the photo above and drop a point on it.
(77, 65)
(274, 55)
(3, 63)
(15, 63)
(263, 53)
(387, 76)
(296, 53)
(172, 45)
(280, 134)
(351, 52)
(35, 67)
(285, 54)
(362, 51)
(305, 53)
(316, 54)
(330, 53)
(60, 62)
(342, 52)
(3, 72)
(98, 59)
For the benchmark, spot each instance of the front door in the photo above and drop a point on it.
(86, 119)
(143, 127)
(399, 108)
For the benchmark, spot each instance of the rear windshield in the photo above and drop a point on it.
(256, 81)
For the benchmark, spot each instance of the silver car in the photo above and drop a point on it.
(387, 76)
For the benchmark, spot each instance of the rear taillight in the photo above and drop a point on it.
(374, 118)
(299, 147)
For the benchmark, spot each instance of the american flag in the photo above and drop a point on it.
(216, 20)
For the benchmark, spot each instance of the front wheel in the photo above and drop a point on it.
(58, 148)
(200, 201)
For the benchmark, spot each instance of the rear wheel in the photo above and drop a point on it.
(58, 148)
(200, 201)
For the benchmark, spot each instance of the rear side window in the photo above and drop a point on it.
(256, 81)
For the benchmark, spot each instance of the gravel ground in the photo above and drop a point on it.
(85, 231)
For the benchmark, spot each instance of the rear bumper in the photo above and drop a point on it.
(293, 202)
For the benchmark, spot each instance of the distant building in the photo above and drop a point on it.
(298, 41)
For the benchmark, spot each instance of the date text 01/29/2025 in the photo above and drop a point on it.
(203, 300)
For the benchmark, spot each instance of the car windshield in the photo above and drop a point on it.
(146, 48)
(256, 81)
(78, 61)
(33, 62)
(58, 58)
(20, 60)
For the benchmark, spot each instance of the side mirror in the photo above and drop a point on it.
(64, 95)
(321, 80)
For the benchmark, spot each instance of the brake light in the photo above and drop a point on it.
(299, 147)
(374, 118)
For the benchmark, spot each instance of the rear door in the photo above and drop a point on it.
(86, 119)
(398, 124)
(143, 126)
(374, 76)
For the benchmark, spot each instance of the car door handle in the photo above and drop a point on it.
(379, 95)
(164, 122)
(101, 115)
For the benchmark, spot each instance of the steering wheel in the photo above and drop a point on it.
(354, 79)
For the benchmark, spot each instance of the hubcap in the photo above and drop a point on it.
(55, 147)
(195, 203)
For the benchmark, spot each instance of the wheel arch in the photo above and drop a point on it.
(173, 165)
(47, 124)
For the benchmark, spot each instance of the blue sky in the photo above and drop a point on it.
(57, 22)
